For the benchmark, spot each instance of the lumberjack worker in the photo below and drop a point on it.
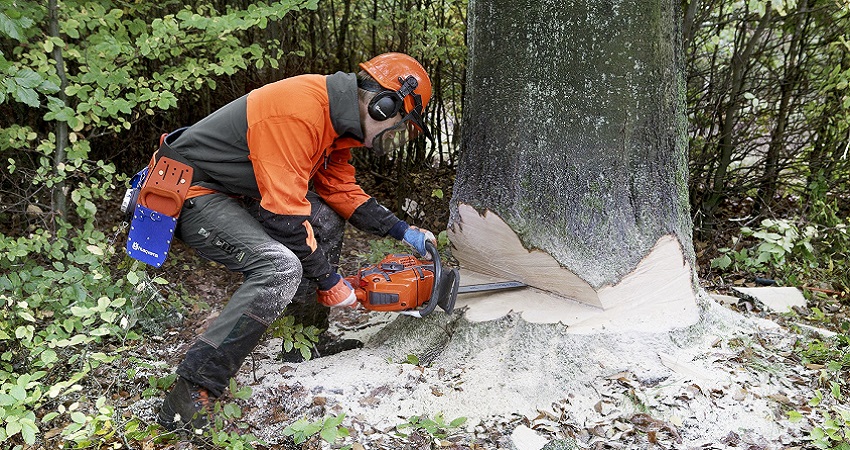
(269, 145)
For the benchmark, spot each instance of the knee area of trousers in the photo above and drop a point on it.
(279, 279)
(279, 262)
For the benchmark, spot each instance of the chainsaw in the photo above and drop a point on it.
(414, 287)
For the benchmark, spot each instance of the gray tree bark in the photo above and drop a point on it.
(61, 127)
(574, 133)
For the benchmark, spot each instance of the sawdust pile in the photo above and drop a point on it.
(720, 383)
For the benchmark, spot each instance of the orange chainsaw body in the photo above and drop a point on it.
(398, 283)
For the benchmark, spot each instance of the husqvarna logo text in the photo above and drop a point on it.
(139, 248)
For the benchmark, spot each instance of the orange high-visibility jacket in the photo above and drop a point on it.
(271, 143)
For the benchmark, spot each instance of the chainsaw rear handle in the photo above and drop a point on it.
(435, 290)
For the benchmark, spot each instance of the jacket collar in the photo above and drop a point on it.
(344, 105)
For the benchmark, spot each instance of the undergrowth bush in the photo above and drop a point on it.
(66, 313)
(74, 307)
(793, 251)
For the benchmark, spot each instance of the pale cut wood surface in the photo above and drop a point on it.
(657, 294)
(486, 244)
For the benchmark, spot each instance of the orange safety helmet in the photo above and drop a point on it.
(390, 69)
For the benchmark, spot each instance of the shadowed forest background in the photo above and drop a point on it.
(87, 87)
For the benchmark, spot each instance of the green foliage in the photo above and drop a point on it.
(833, 353)
(760, 75)
(776, 240)
(436, 427)
(785, 249)
(64, 315)
(157, 386)
(379, 248)
(832, 431)
(409, 359)
(227, 415)
(106, 83)
(70, 304)
(328, 428)
(295, 335)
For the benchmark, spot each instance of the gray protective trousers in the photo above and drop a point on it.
(228, 231)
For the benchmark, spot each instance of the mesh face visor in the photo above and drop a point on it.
(395, 137)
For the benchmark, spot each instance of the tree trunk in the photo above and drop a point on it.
(573, 176)
(61, 127)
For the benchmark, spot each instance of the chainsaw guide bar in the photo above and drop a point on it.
(500, 286)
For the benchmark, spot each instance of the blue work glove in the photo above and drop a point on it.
(416, 237)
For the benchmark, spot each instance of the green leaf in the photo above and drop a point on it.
(232, 410)
(458, 422)
(133, 278)
(13, 428)
(722, 262)
(27, 96)
(18, 393)
(835, 388)
(329, 434)
(78, 417)
(28, 430)
(11, 28)
(244, 393)
(312, 428)
(794, 416)
(49, 357)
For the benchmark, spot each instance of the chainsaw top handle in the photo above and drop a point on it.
(435, 290)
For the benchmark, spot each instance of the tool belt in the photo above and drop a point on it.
(165, 150)
(156, 197)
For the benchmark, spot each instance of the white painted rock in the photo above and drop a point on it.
(525, 438)
(779, 299)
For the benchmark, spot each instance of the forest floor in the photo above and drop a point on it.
(730, 386)
(728, 382)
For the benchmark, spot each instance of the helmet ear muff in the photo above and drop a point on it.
(384, 105)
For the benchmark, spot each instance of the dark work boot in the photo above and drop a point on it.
(186, 407)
